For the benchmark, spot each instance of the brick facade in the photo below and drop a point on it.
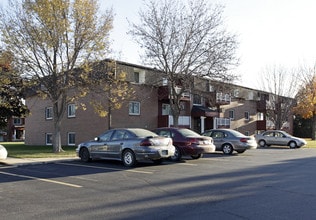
(217, 101)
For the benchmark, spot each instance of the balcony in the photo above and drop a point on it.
(223, 99)
(163, 93)
(222, 123)
(167, 121)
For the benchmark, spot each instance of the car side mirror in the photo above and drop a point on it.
(96, 138)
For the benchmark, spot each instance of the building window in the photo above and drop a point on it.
(260, 116)
(231, 114)
(71, 113)
(17, 121)
(197, 99)
(134, 108)
(136, 77)
(49, 113)
(247, 115)
(165, 109)
(164, 81)
(49, 139)
(71, 138)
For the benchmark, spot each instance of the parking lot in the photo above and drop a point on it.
(267, 183)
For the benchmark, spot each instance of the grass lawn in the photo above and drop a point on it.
(310, 143)
(20, 150)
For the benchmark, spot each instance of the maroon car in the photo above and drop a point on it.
(187, 142)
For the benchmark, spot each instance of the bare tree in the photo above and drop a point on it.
(182, 40)
(282, 85)
(54, 43)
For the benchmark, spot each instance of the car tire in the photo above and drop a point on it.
(240, 151)
(227, 149)
(158, 162)
(292, 145)
(84, 155)
(262, 143)
(177, 155)
(128, 158)
(195, 157)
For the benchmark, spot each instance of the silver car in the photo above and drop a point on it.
(281, 138)
(228, 140)
(128, 145)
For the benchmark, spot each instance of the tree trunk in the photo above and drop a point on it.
(59, 108)
(175, 120)
(57, 148)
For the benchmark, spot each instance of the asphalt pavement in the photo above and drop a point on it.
(11, 161)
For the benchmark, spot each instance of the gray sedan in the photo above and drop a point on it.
(281, 138)
(128, 145)
(228, 140)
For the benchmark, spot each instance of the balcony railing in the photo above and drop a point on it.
(222, 123)
(222, 98)
(167, 121)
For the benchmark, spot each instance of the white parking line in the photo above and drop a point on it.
(107, 168)
(41, 179)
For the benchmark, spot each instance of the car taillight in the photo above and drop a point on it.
(192, 141)
(244, 140)
(146, 142)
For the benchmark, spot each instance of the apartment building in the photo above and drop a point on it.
(207, 105)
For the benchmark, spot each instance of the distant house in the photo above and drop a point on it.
(15, 130)
(209, 104)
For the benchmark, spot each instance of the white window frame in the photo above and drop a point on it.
(49, 113)
(231, 114)
(247, 115)
(131, 108)
(49, 139)
(69, 138)
(71, 110)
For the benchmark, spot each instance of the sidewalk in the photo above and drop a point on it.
(11, 161)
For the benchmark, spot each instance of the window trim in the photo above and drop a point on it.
(50, 111)
(68, 138)
(74, 111)
(231, 113)
(47, 135)
(247, 115)
(129, 108)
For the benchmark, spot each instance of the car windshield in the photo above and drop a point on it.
(142, 132)
(187, 132)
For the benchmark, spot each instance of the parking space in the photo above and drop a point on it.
(271, 183)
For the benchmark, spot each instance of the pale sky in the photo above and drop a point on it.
(270, 32)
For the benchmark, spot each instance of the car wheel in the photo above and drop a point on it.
(292, 144)
(158, 162)
(196, 156)
(85, 155)
(227, 149)
(129, 158)
(262, 143)
(240, 151)
(177, 155)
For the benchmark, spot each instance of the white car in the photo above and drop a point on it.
(281, 138)
(3, 153)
